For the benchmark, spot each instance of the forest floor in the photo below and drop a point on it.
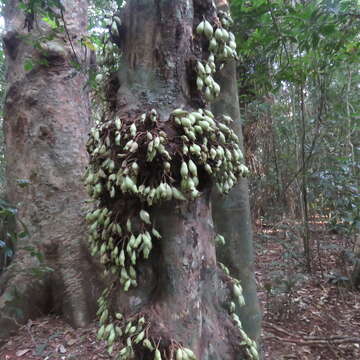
(306, 317)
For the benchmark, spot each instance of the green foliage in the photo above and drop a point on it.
(283, 42)
(12, 230)
(49, 10)
(338, 192)
(9, 236)
(298, 85)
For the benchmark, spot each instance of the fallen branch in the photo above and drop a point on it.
(325, 342)
(309, 340)
(278, 328)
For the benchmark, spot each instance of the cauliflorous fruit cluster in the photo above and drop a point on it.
(139, 161)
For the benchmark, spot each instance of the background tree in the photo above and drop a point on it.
(46, 124)
(296, 89)
(231, 214)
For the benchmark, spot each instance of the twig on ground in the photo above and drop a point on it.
(309, 340)
(326, 342)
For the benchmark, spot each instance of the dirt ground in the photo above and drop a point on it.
(306, 316)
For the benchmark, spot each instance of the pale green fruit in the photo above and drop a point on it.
(140, 337)
(208, 69)
(101, 332)
(200, 68)
(118, 123)
(225, 35)
(156, 233)
(208, 169)
(133, 130)
(179, 354)
(213, 44)
(189, 353)
(99, 78)
(148, 344)
(218, 34)
(185, 122)
(145, 217)
(199, 83)
(216, 88)
(232, 44)
(208, 94)
(200, 28)
(208, 29)
(237, 290)
(184, 171)
(157, 355)
(177, 194)
(209, 80)
(192, 167)
(179, 112)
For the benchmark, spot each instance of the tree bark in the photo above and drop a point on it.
(355, 275)
(231, 213)
(46, 125)
(180, 291)
(233, 220)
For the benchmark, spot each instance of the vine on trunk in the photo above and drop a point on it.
(140, 161)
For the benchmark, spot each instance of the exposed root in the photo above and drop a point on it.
(24, 295)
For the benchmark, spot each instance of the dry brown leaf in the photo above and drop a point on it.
(21, 353)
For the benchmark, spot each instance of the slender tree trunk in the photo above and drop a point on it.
(304, 191)
(355, 275)
(232, 215)
(46, 125)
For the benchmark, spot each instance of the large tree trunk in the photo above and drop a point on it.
(180, 291)
(46, 125)
(231, 213)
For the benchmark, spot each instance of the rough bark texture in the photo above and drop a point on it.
(181, 291)
(355, 275)
(46, 125)
(231, 213)
(232, 220)
(180, 287)
(194, 295)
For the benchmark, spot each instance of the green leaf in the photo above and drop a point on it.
(8, 297)
(9, 253)
(23, 234)
(40, 270)
(23, 182)
(87, 42)
(40, 349)
(28, 65)
(53, 23)
(8, 212)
